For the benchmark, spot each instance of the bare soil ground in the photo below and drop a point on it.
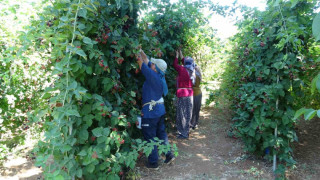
(208, 154)
(306, 151)
(211, 154)
(20, 164)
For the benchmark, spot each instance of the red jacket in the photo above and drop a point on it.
(184, 83)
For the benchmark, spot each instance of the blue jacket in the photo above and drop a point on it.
(151, 90)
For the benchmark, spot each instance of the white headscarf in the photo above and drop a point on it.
(161, 67)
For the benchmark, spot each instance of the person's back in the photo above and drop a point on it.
(197, 98)
(152, 90)
(184, 83)
(153, 110)
(196, 86)
(184, 103)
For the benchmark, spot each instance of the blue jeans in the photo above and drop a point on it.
(151, 128)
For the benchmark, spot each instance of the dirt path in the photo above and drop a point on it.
(20, 164)
(306, 151)
(210, 154)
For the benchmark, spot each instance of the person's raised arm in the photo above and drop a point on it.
(181, 55)
(144, 57)
(176, 65)
(139, 61)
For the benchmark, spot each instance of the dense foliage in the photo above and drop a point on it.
(72, 72)
(91, 101)
(183, 25)
(94, 100)
(309, 113)
(273, 60)
(23, 77)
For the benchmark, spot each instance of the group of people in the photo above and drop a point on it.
(155, 88)
(189, 95)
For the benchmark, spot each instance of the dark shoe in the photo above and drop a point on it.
(194, 127)
(153, 166)
(181, 137)
(169, 159)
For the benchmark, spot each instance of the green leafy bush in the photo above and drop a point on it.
(265, 78)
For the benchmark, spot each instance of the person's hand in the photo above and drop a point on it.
(180, 52)
(177, 54)
(139, 61)
(142, 54)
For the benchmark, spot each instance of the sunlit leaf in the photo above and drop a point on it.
(309, 114)
(316, 27)
(294, 3)
(299, 113)
(72, 112)
(81, 53)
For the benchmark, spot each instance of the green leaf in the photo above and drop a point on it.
(116, 33)
(309, 114)
(276, 3)
(299, 113)
(318, 113)
(83, 153)
(106, 131)
(79, 173)
(251, 133)
(130, 5)
(82, 13)
(86, 109)
(87, 40)
(133, 94)
(90, 168)
(315, 84)
(294, 3)
(113, 177)
(101, 139)
(59, 177)
(278, 65)
(83, 135)
(46, 96)
(145, 37)
(65, 148)
(97, 131)
(64, 18)
(318, 83)
(285, 120)
(316, 27)
(73, 85)
(81, 53)
(267, 71)
(107, 149)
(81, 26)
(73, 112)
(118, 4)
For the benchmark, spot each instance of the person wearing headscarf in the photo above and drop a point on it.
(185, 80)
(153, 109)
(197, 97)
